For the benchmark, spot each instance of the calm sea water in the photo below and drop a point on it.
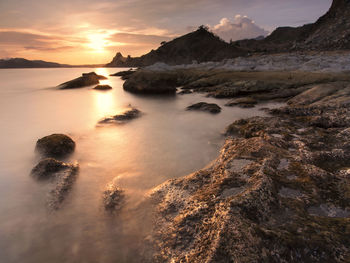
(166, 142)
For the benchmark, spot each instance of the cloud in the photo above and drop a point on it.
(241, 27)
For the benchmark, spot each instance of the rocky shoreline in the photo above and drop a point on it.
(278, 192)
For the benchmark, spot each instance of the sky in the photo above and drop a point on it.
(92, 31)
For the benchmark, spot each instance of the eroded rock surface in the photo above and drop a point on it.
(278, 192)
(55, 145)
(203, 106)
(244, 102)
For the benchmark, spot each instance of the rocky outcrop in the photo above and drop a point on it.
(87, 79)
(200, 45)
(329, 32)
(127, 115)
(278, 192)
(102, 87)
(55, 145)
(203, 106)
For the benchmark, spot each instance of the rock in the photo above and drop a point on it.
(185, 91)
(124, 74)
(203, 106)
(103, 87)
(48, 168)
(87, 79)
(245, 102)
(113, 198)
(128, 115)
(55, 145)
(148, 82)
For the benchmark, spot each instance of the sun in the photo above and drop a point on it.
(97, 42)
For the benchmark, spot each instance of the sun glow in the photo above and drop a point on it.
(98, 42)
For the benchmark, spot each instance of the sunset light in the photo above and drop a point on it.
(97, 42)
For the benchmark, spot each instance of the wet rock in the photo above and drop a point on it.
(128, 115)
(48, 168)
(124, 74)
(245, 102)
(103, 87)
(55, 145)
(203, 106)
(87, 79)
(113, 198)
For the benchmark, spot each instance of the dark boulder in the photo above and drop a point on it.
(55, 145)
(147, 82)
(203, 106)
(87, 79)
(128, 115)
(103, 87)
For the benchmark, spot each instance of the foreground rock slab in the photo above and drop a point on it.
(203, 106)
(55, 145)
(127, 115)
(278, 192)
(87, 79)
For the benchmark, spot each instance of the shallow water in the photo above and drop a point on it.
(166, 142)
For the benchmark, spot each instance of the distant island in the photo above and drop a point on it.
(25, 63)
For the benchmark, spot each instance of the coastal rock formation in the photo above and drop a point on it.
(127, 115)
(103, 87)
(200, 45)
(278, 192)
(113, 198)
(55, 145)
(203, 106)
(87, 79)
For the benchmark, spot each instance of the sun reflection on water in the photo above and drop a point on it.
(104, 101)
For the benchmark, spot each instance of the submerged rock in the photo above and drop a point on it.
(55, 145)
(113, 198)
(87, 79)
(103, 87)
(61, 175)
(203, 106)
(48, 168)
(128, 115)
(245, 102)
